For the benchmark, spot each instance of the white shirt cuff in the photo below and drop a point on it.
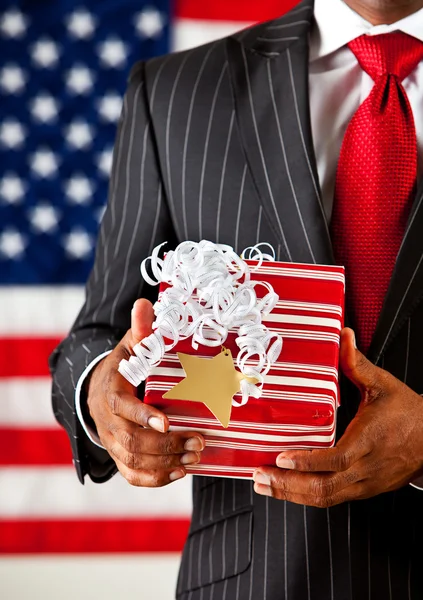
(418, 485)
(91, 434)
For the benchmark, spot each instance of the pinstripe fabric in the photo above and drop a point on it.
(216, 143)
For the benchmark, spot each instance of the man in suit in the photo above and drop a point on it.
(306, 133)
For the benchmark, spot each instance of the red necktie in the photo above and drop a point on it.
(376, 177)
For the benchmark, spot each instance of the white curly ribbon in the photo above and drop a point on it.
(210, 292)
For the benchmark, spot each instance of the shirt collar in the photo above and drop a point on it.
(327, 38)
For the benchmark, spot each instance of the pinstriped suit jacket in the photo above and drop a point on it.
(216, 143)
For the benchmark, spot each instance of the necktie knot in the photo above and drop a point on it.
(387, 54)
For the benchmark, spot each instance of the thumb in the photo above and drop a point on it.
(354, 364)
(142, 317)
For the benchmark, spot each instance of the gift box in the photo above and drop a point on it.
(300, 393)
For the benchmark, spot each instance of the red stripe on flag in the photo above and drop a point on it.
(92, 536)
(36, 447)
(236, 10)
(25, 357)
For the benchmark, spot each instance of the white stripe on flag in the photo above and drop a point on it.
(132, 577)
(26, 403)
(43, 311)
(188, 33)
(56, 492)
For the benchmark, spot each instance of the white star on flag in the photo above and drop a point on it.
(78, 244)
(44, 218)
(45, 53)
(44, 108)
(44, 163)
(149, 22)
(81, 24)
(12, 243)
(79, 134)
(12, 188)
(113, 53)
(79, 189)
(79, 80)
(104, 161)
(110, 107)
(12, 133)
(12, 79)
(13, 23)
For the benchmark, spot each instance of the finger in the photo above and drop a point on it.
(147, 441)
(351, 448)
(313, 461)
(150, 462)
(354, 445)
(142, 317)
(320, 486)
(153, 479)
(354, 492)
(129, 407)
(364, 374)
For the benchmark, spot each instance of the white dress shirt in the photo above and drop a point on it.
(338, 86)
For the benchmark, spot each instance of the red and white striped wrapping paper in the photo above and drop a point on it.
(300, 394)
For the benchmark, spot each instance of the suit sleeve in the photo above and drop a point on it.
(136, 220)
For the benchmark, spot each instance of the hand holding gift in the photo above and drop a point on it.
(135, 434)
(380, 451)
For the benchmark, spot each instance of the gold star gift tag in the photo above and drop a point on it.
(213, 381)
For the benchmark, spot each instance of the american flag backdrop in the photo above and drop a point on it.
(63, 72)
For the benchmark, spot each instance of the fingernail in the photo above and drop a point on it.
(195, 443)
(354, 341)
(263, 490)
(261, 478)
(156, 423)
(190, 458)
(176, 475)
(285, 463)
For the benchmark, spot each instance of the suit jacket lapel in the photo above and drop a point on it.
(406, 286)
(269, 70)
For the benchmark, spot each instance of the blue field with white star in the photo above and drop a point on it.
(63, 73)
